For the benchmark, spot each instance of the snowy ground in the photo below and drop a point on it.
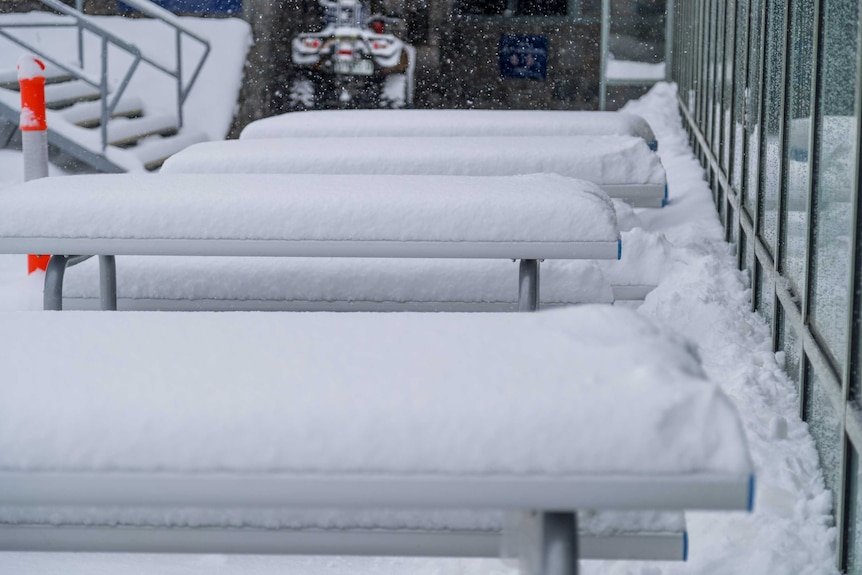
(701, 295)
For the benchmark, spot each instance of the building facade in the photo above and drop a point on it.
(770, 94)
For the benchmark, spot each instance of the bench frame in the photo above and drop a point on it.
(528, 282)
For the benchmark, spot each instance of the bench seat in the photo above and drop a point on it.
(310, 216)
(352, 123)
(397, 407)
(622, 166)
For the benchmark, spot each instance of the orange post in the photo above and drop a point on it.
(34, 127)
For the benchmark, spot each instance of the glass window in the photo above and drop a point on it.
(791, 345)
(591, 7)
(517, 8)
(727, 97)
(825, 426)
(753, 122)
(541, 7)
(718, 77)
(739, 94)
(765, 294)
(482, 7)
(773, 98)
(854, 515)
(797, 131)
(837, 127)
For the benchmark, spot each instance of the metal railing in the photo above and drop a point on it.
(85, 23)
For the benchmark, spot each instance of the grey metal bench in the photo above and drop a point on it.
(623, 166)
(412, 123)
(537, 415)
(306, 216)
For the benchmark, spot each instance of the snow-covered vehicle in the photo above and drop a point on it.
(351, 63)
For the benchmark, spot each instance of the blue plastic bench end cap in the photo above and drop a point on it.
(685, 545)
(751, 493)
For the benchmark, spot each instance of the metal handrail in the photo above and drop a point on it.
(157, 12)
(84, 22)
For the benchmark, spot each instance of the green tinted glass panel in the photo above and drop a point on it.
(825, 426)
(837, 127)
(770, 171)
(797, 156)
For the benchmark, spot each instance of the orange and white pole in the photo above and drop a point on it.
(34, 131)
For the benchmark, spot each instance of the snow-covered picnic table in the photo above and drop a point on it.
(623, 166)
(128, 425)
(416, 123)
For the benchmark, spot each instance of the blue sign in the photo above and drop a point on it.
(195, 6)
(523, 56)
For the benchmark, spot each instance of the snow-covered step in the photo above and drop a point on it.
(53, 75)
(67, 93)
(124, 131)
(153, 151)
(88, 114)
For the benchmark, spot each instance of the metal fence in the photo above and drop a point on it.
(770, 95)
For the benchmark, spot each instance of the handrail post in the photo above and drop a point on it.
(79, 6)
(605, 48)
(180, 97)
(103, 93)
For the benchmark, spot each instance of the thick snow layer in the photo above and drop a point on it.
(361, 394)
(309, 207)
(30, 67)
(702, 295)
(351, 123)
(626, 70)
(602, 160)
(326, 283)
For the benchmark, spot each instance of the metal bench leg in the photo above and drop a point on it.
(108, 283)
(52, 294)
(528, 285)
(547, 543)
(559, 544)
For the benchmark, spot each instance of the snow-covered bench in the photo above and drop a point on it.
(179, 432)
(527, 218)
(623, 166)
(351, 123)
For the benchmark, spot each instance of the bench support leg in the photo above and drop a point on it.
(528, 285)
(548, 543)
(52, 294)
(559, 544)
(108, 283)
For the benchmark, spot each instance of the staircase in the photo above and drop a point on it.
(94, 121)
